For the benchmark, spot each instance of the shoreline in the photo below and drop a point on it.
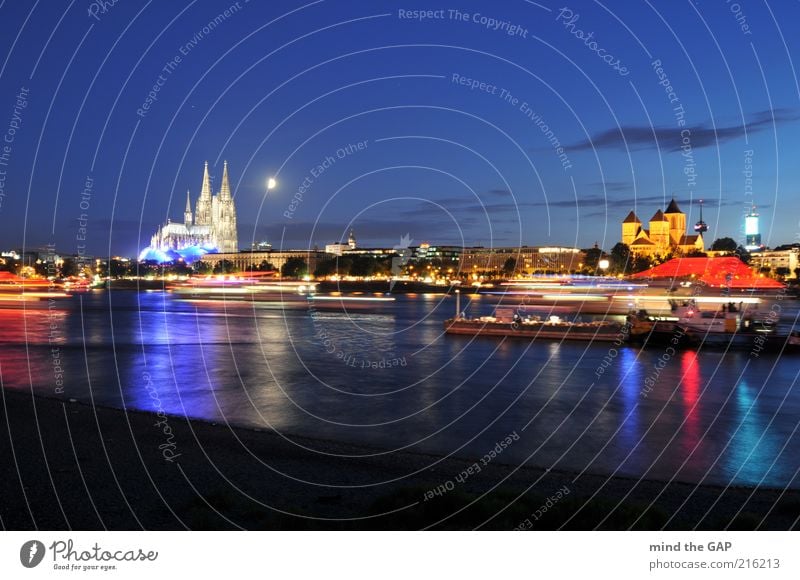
(134, 469)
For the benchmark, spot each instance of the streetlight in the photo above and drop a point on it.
(271, 183)
(604, 264)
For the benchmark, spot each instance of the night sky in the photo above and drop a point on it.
(444, 128)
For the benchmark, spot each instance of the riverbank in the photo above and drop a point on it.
(71, 465)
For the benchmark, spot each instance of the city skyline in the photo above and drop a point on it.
(426, 122)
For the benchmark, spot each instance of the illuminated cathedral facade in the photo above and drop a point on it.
(212, 227)
(666, 234)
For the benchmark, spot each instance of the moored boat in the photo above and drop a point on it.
(532, 328)
(730, 327)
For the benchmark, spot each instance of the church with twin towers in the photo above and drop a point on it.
(212, 226)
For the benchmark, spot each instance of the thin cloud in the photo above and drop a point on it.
(670, 139)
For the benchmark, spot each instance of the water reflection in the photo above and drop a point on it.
(720, 416)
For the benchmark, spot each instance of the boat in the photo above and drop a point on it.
(553, 327)
(733, 326)
(18, 291)
(243, 289)
(340, 302)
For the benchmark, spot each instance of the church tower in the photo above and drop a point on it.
(187, 213)
(677, 221)
(630, 228)
(660, 231)
(202, 212)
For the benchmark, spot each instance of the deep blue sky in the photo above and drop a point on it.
(277, 87)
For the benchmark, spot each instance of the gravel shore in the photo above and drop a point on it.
(69, 465)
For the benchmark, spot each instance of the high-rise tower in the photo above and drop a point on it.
(752, 237)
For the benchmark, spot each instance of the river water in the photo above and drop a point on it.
(386, 376)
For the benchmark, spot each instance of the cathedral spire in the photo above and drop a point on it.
(225, 188)
(187, 213)
(206, 191)
(202, 214)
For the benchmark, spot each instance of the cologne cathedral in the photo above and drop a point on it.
(212, 229)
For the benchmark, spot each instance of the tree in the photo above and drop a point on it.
(225, 267)
(327, 267)
(265, 266)
(178, 267)
(797, 273)
(782, 271)
(696, 254)
(203, 268)
(743, 254)
(70, 267)
(724, 245)
(640, 264)
(509, 266)
(294, 267)
(119, 268)
(592, 258)
(620, 258)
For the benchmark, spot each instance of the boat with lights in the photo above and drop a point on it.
(508, 322)
(734, 325)
(242, 288)
(15, 290)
